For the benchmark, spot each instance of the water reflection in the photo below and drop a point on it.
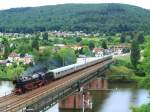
(140, 97)
(54, 109)
(6, 87)
(117, 100)
(120, 99)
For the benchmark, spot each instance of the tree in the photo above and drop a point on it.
(109, 39)
(140, 38)
(67, 55)
(122, 38)
(35, 43)
(24, 48)
(91, 45)
(146, 61)
(45, 36)
(42, 57)
(7, 48)
(135, 53)
(104, 45)
(86, 51)
(78, 39)
(57, 60)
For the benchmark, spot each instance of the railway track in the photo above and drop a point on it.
(11, 103)
(5, 98)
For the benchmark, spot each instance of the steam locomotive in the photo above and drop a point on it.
(38, 79)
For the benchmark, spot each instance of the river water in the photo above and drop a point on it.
(6, 87)
(118, 98)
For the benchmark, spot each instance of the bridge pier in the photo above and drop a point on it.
(97, 84)
(75, 101)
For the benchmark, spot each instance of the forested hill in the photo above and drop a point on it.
(76, 17)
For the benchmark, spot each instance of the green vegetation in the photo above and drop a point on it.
(122, 38)
(141, 38)
(144, 81)
(123, 61)
(127, 67)
(35, 43)
(9, 73)
(122, 70)
(7, 49)
(135, 53)
(53, 59)
(47, 58)
(121, 73)
(45, 36)
(104, 45)
(67, 56)
(86, 51)
(145, 64)
(106, 18)
(40, 46)
(143, 108)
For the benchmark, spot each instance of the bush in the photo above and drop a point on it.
(9, 73)
(145, 82)
(121, 73)
(143, 108)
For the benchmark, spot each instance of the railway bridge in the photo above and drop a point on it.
(43, 98)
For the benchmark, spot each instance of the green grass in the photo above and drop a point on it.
(124, 58)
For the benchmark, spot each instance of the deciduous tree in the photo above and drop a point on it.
(7, 48)
(135, 53)
(104, 45)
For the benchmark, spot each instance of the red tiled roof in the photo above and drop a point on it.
(98, 49)
(13, 54)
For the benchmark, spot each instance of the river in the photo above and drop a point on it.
(6, 87)
(118, 98)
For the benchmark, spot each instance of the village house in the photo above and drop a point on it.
(13, 57)
(99, 52)
(25, 59)
(118, 49)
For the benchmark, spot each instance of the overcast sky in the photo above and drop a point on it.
(6, 4)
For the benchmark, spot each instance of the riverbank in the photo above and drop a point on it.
(122, 70)
(5, 79)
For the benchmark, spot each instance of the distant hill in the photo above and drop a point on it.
(76, 17)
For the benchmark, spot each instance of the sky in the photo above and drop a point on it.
(6, 4)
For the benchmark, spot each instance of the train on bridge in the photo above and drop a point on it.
(38, 79)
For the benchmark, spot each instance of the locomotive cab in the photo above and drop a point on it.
(19, 88)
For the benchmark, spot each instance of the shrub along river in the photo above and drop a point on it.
(118, 98)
